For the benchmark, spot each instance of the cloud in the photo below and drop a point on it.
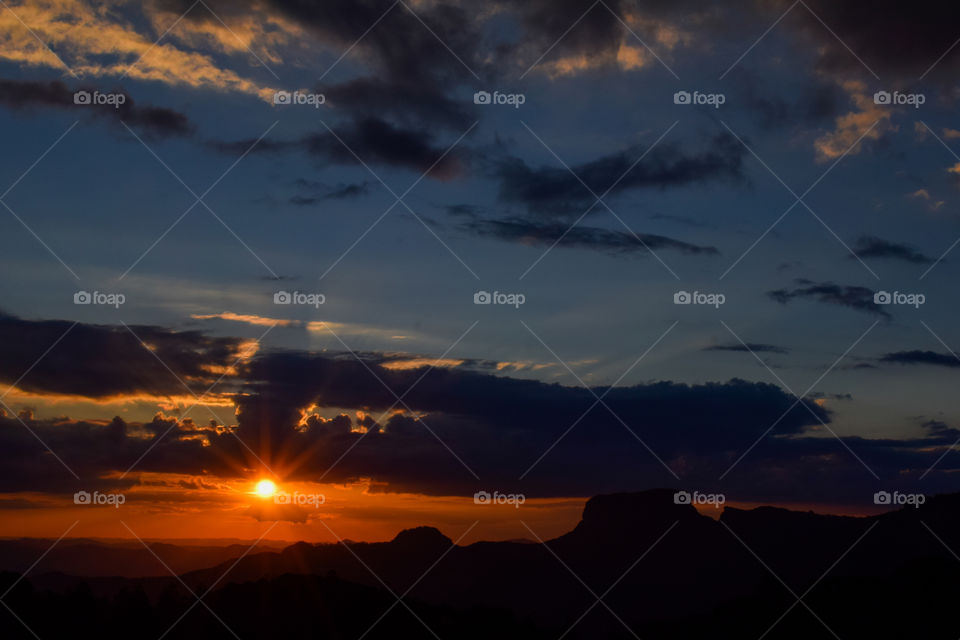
(402, 47)
(318, 192)
(100, 40)
(852, 297)
(873, 247)
(923, 194)
(323, 327)
(99, 361)
(814, 102)
(580, 237)
(950, 360)
(25, 95)
(373, 140)
(284, 398)
(555, 191)
(747, 348)
(408, 104)
(821, 395)
(498, 425)
(868, 122)
(255, 320)
(895, 40)
(290, 415)
(604, 35)
(377, 141)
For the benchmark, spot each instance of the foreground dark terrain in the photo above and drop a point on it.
(636, 565)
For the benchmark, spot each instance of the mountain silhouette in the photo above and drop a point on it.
(85, 557)
(636, 563)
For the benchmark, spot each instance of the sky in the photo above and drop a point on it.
(397, 253)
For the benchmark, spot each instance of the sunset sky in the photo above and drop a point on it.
(189, 198)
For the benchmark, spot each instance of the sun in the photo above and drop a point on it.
(265, 488)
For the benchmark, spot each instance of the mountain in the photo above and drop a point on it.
(636, 563)
(86, 557)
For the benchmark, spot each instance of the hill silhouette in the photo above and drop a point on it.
(86, 557)
(659, 569)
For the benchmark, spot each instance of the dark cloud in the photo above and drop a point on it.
(498, 441)
(290, 415)
(857, 367)
(464, 210)
(442, 44)
(748, 347)
(318, 192)
(498, 424)
(599, 31)
(940, 428)
(555, 191)
(852, 297)
(409, 105)
(893, 38)
(580, 237)
(374, 141)
(831, 396)
(812, 104)
(158, 121)
(923, 357)
(873, 247)
(377, 141)
(98, 361)
(400, 47)
(684, 220)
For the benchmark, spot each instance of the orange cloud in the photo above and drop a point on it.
(259, 321)
(95, 40)
(854, 125)
(416, 363)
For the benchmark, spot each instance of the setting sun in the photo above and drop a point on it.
(265, 488)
